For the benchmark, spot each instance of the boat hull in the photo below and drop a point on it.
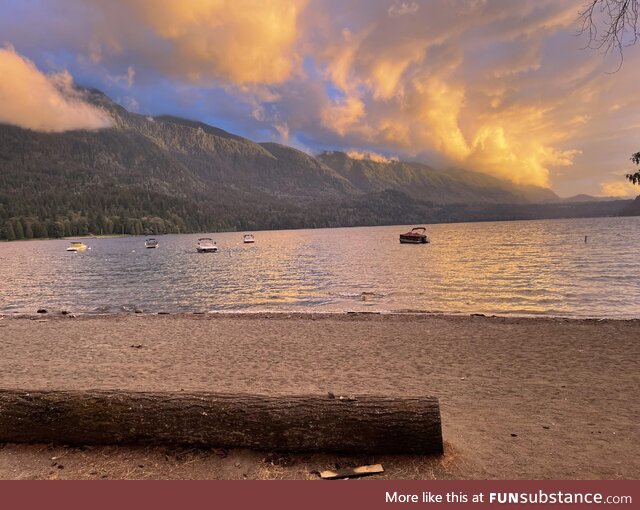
(414, 239)
(207, 250)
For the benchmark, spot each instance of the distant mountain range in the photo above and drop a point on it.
(166, 174)
(632, 209)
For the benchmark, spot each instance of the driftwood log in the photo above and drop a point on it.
(366, 424)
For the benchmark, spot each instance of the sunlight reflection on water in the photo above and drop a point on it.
(524, 268)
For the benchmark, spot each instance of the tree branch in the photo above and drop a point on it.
(611, 25)
(635, 177)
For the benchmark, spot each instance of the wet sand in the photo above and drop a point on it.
(520, 397)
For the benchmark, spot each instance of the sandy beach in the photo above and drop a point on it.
(520, 397)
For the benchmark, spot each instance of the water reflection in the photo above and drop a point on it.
(525, 268)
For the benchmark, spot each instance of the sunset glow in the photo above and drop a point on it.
(500, 87)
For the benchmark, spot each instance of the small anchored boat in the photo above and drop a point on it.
(206, 245)
(248, 239)
(151, 243)
(417, 235)
(77, 246)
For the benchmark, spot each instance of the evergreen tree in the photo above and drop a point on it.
(9, 233)
(17, 228)
(28, 232)
(55, 229)
(39, 230)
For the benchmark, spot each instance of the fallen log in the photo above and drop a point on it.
(367, 424)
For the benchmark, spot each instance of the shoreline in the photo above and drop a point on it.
(559, 218)
(519, 397)
(67, 314)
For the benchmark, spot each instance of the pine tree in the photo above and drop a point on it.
(28, 231)
(17, 228)
(9, 233)
(39, 230)
(55, 229)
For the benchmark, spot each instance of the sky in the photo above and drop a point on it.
(499, 86)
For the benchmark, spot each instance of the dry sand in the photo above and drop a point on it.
(520, 397)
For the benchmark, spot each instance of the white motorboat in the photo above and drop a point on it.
(206, 245)
(151, 243)
(248, 239)
(77, 246)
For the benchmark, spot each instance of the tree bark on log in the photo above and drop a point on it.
(367, 424)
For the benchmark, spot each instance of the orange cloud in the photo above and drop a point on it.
(378, 158)
(343, 115)
(440, 109)
(501, 87)
(619, 188)
(511, 155)
(413, 91)
(239, 41)
(33, 100)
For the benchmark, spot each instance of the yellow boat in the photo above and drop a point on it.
(77, 246)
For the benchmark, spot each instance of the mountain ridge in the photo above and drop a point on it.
(167, 174)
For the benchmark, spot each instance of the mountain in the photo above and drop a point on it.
(587, 198)
(632, 208)
(426, 183)
(150, 175)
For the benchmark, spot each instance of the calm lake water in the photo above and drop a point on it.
(522, 268)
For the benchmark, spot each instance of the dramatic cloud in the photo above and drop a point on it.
(203, 41)
(33, 100)
(618, 188)
(446, 79)
(497, 86)
(378, 158)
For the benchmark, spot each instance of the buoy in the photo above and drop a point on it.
(585, 239)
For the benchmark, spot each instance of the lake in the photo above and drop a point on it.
(541, 267)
